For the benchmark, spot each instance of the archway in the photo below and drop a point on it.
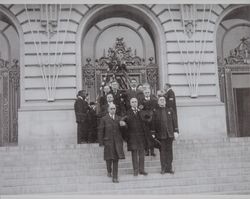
(10, 39)
(138, 14)
(233, 48)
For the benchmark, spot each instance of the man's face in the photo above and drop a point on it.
(111, 109)
(162, 102)
(133, 83)
(166, 87)
(146, 93)
(106, 89)
(87, 97)
(114, 86)
(133, 102)
(110, 98)
(146, 87)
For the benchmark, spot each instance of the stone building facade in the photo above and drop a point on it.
(55, 50)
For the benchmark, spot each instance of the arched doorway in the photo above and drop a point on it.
(233, 48)
(9, 80)
(140, 35)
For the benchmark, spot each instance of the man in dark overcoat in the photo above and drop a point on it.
(81, 108)
(148, 104)
(165, 128)
(109, 136)
(135, 137)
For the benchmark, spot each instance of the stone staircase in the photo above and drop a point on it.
(220, 166)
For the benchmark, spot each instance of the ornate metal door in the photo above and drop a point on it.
(9, 102)
(235, 88)
(121, 62)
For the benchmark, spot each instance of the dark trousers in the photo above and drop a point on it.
(166, 154)
(138, 160)
(82, 132)
(149, 147)
(115, 167)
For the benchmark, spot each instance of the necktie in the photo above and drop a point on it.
(135, 110)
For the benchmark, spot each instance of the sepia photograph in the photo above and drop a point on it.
(119, 98)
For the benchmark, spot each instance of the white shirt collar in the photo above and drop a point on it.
(80, 97)
(169, 89)
(112, 116)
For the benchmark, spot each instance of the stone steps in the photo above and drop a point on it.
(142, 184)
(211, 166)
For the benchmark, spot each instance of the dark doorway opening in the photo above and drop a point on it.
(242, 102)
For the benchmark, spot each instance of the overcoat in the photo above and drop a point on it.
(81, 109)
(135, 131)
(172, 125)
(148, 107)
(109, 135)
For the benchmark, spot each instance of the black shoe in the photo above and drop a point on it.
(147, 153)
(170, 172)
(163, 172)
(135, 173)
(109, 175)
(143, 173)
(115, 180)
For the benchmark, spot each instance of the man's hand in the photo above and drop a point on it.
(176, 135)
(122, 123)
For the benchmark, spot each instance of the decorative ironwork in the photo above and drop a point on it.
(120, 64)
(88, 72)
(9, 102)
(240, 54)
(119, 57)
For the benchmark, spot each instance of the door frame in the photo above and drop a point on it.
(226, 74)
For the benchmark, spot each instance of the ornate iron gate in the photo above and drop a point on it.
(119, 59)
(9, 102)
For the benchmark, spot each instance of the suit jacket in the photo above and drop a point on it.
(171, 122)
(109, 135)
(81, 109)
(135, 132)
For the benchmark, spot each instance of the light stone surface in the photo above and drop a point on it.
(46, 127)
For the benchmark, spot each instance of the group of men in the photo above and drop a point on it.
(135, 116)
